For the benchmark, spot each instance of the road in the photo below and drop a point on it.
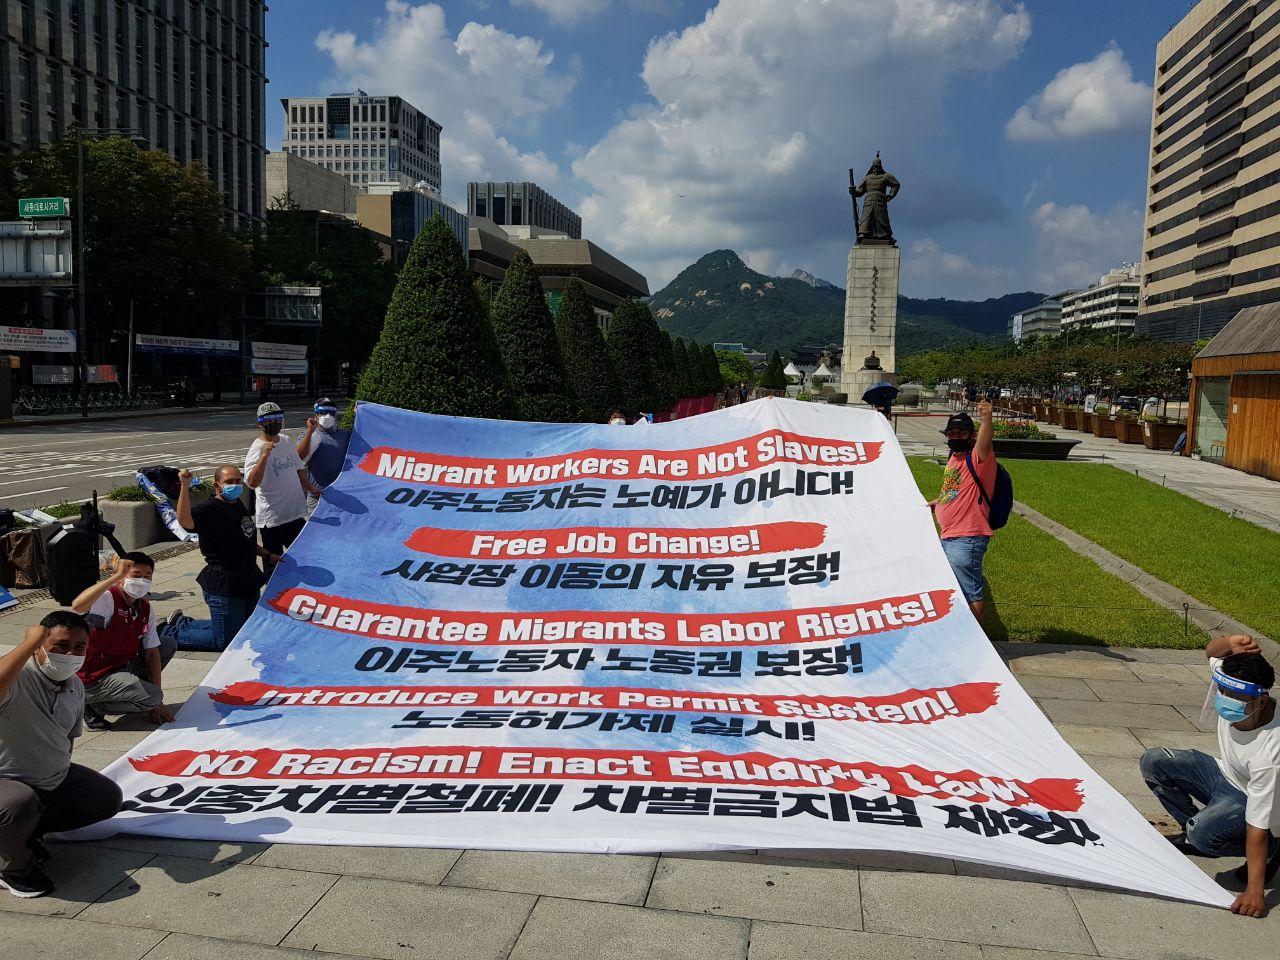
(40, 466)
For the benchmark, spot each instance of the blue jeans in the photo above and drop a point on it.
(1210, 810)
(965, 556)
(227, 615)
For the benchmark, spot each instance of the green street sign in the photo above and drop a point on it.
(32, 207)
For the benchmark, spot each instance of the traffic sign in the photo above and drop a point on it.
(31, 207)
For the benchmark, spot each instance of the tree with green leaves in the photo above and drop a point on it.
(526, 337)
(629, 343)
(682, 374)
(156, 241)
(697, 369)
(735, 368)
(711, 369)
(437, 352)
(661, 361)
(586, 358)
(773, 377)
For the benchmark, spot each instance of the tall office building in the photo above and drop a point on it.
(522, 204)
(366, 139)
(185, 75)
(1213, 197)
(1111, 304)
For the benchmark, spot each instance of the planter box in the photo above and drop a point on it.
(138, 524)
(1128, 431)
(1104, 425)
(1161, 436)
(1042, 412)
(1033, 449)
(1056, 415)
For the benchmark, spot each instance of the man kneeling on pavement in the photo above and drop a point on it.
(1230, 806)
(41, 790)
(121, 672)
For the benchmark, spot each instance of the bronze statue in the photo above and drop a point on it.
(877, 189)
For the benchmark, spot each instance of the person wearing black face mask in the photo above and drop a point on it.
(960, 508)
(277, 471)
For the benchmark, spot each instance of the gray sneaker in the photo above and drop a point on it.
(28, 883)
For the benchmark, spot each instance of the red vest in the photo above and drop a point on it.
(114, 646)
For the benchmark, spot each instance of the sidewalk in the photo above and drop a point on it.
(1256, 499)
(127, 898)
(63, 420)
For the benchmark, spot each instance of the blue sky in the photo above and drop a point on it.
(676, 127)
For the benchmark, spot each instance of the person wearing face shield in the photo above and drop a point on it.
(1229, 806)
(41, 790)
(961, 508)
(323, 447)
(276, 470)
(121, 672)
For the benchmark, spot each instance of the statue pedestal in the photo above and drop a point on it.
(870, 317)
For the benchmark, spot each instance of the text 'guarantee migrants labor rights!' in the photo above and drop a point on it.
(736, 630)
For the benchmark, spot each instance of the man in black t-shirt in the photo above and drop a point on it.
(231, 579)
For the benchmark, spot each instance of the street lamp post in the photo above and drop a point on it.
(82, 356)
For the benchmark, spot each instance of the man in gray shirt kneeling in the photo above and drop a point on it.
(41, 790)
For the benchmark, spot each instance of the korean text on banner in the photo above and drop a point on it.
(734, 631)
(273, 367)
(193, 346)
(37, 339)
(279, 351)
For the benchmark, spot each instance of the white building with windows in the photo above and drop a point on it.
(1109, 304)
(365, 139)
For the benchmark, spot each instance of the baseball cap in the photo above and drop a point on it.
(268, 409)
(958, 421)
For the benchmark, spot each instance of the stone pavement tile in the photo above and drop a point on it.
(208, 656)
(1178, 739)
(1192, 715)
(993, 872)
(787, 892)
(1122, 773)
(81, 875)
(182, 946)
(240, 901)
(790, 941)
(1159, 716)
(1165, 672)
(96, 759)
(185, 673)
(973, 909)
(1016, 953)
(577, 930)
(124, 735)
(411, 864)
(1069, 651)
(1191, 658)
(1057, 688)
(1050, 666)
(210, 851)
(1175, 694)
(42, 938)
(393, 920)
(1147, 928)
(1147, 805)
(1104, 741)
(570, 876)
(865, 859)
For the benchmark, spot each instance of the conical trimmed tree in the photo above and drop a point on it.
(697, 369)
(630, 350)
(526, 337)
(773, 377)
(587, 364)
(437, 352)
(661, 361)
(683, 380)
(711, 367)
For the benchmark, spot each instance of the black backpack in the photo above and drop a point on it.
(999, 504)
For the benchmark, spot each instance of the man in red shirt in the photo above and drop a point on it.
(962, 509)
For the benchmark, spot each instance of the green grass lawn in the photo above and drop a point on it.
(1041, 591)
(1226, 563)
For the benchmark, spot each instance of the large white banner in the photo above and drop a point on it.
(193, 346)
(37, 339)
(731, 631)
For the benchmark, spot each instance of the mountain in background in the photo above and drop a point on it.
(720, 298)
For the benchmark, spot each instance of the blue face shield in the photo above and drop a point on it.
(1227, 693)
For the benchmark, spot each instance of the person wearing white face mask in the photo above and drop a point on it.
(126, 654)
(41, 790)
(323, 447)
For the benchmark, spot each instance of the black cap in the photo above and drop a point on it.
(958, 421)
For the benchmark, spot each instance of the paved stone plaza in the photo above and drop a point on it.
(132, 897)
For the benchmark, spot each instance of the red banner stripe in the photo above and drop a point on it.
(699, 463)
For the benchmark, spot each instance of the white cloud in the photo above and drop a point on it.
(1076, 245)
(757, 110)
(930, 271)
(483, 85)
(565, 11)
(1097, 96)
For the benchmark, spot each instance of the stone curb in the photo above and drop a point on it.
(1211, 621)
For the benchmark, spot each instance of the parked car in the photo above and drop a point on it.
(1130, 403)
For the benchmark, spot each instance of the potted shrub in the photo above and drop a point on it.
(1023, 440)
(1160, 434)
(1128, 430)
(1103, 424)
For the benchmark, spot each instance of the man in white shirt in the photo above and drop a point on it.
(276, 470)
(1230, 806)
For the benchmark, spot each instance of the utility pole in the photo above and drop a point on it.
(82, 358)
